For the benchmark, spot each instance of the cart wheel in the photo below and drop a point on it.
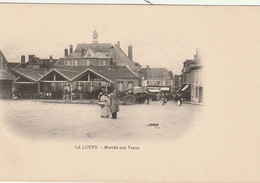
(129, 100)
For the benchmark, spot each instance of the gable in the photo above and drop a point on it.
(54, 76)
(91, 75)
(3, 61)
(89, 53)
(22, 79)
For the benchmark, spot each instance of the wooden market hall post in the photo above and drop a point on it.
(13, 95)
(70, 83)
(39, 88)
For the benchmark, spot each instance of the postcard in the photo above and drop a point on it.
(129, 93)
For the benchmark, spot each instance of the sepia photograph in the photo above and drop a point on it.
(78, 78)
(141, 93)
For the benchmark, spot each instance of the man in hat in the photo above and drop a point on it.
(114, 104)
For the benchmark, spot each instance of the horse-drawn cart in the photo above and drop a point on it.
(134, 95)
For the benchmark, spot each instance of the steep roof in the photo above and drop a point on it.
(157, 72)
(3, 60)
(42, 62)
(122, 59)
(110, 72)
(96, 47)
(13, 64)
(97, 50)
(5, 76)
(70, 72)
(29, 73)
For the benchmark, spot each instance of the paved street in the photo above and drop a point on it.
(38, 120)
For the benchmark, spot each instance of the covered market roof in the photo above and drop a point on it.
(5, 76)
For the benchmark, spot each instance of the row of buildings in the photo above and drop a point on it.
(86, 70)
(190, 82)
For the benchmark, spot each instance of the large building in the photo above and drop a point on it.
(176, 82)
(6, 79)
(157, 78)
(192, 78)
(87, 70)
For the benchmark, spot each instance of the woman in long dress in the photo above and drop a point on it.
(104, 100)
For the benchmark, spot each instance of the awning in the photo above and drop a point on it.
(185, 87)
(178, 90)
(154, 91)
(165, 89)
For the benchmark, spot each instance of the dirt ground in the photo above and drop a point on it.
(38, 120)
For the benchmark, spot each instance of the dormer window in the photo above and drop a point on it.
(89, 53)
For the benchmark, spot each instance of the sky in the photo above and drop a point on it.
(161, 36)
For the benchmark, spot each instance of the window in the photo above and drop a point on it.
(68, 62)
(80, 62)
(163, 83)
(120, 86)
(76, 62)
(153, 76)
(129, 84)
(104, 62)
(197, 91)
(199, 80)
(184, 78)
(88, 62)
(197, 76)
(201, 75)
(100, 63)
(94, 62)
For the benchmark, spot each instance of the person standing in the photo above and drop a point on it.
(164, 99)
(114, 104)
(148, 98)
(99, 96)
(105, 102)
(179, 99)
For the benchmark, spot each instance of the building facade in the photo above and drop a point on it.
(176, 82)
(157, 78)
(192, 78)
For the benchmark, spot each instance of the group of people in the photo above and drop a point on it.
(109, 104)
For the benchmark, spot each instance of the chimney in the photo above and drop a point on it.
(118, 44)
(130, 52)
(71, 49)
(82, 51)
(65, 52)
(147, 67)
(30, 57)
(22, 59)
